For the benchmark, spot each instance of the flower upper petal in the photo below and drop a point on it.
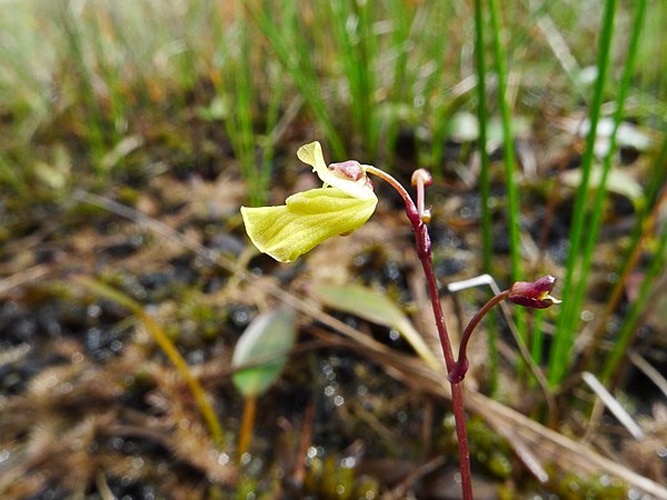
(534, 294)
(287, 231)
(312, 155)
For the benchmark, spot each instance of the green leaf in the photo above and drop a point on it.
(377, 308)
(261, 352)
(287, 231)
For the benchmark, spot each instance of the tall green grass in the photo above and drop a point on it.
(513, 212)
(574, 283)
(587, 211)
(365, 73)
(587, 217)
(486, 222)
(647, 233)
(249, 121)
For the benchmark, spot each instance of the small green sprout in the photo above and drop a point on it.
(342, 205)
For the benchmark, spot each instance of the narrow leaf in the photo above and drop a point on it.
(261, 352)
(377, 308)
(157, 333)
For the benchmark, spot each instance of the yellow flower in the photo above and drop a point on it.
(342, 205)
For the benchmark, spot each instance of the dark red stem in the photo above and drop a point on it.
(461, 366)
(423, 244)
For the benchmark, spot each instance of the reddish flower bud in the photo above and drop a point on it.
(420, 179)
(533, 294)
(422, 175)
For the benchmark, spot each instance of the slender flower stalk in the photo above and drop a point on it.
(461, 366)
(420, 179)
(532, 294)
(418, 220)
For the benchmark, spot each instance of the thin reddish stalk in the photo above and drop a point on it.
(423, 244)
(461, 367)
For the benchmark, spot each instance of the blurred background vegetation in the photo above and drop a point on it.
(161, 104)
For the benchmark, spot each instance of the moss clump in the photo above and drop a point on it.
(330, 479)
(487, 448)
(571, 486)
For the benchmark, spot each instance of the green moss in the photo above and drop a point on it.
(329, 479)
(600, 487)
(487, 448)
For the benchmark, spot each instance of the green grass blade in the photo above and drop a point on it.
(241, 96)
(403, 18)
(594, 222)
(167, 346)
(622, 342)
(485, 182)
(647, 215)
(644, 230)
(350, 23)
(569, 317)
(293, 54)
(509, 157)
(72, 27)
